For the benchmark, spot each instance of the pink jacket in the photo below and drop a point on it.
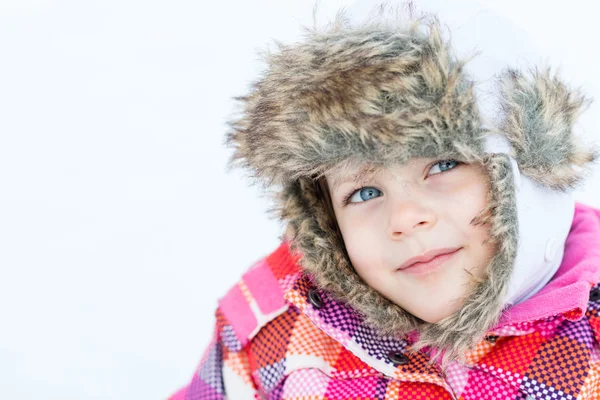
(277, 337)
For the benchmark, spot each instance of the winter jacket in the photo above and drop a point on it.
(276, 337)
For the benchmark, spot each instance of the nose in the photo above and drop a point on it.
(409, 215)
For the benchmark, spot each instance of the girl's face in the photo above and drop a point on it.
(395, 214)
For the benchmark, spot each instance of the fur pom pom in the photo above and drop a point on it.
(538, 115)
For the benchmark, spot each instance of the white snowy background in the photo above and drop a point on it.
(119, 226)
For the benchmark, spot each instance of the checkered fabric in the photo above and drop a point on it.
(274, 339)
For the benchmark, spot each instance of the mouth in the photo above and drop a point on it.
(428, 264)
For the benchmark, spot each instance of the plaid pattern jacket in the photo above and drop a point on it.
(277, 337)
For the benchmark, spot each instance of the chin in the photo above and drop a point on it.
(432, 320)
(434, 316)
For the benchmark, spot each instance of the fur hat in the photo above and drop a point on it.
(382, 92)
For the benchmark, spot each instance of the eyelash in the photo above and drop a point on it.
(346, 201)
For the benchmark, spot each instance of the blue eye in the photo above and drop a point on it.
(366, 193)
(446, 165)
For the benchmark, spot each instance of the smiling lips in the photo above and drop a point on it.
(428, 261)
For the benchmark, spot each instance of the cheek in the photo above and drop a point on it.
(357, 227)
(359, 243)
(477, 197)
(471, 197)
(479, 188)
(363, 245)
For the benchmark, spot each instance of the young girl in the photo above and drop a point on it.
(429, 254)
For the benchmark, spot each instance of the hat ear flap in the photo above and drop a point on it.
(538, 112)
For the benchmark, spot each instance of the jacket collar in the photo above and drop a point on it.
(567, 293)
(564, 297)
